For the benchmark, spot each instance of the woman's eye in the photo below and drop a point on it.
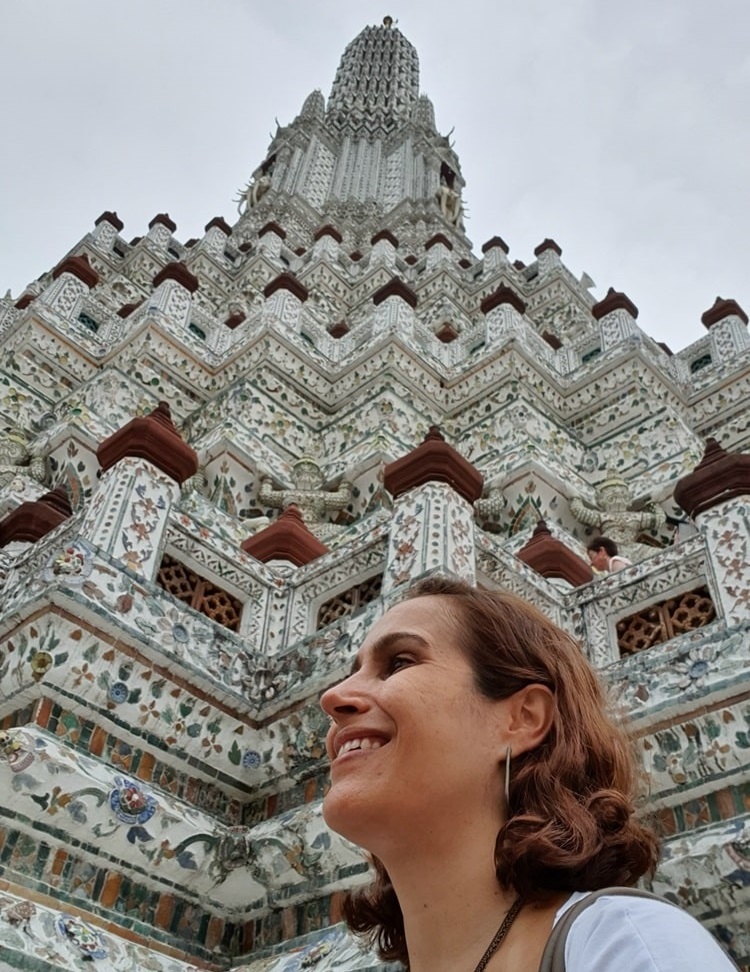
(398, 662)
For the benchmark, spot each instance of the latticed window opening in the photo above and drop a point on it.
(88, 322)
(350, 601)
(659, 622)
(199, 593)
(590, 355)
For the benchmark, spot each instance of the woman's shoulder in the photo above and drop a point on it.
(623, 932)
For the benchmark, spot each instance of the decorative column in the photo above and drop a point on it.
(617, 316)
(327, 243)
(432, 528)
(160, 230)
(716, 494)
(285, 296)
(438, 250)
(726, 322)
(548, 255)
(105, 232)
(71, 280)
(175, 285)
(270, 238)
(495, 254)
(504, 311)
(143, 465)
(284, 546)
(217, 233)
(395, 302)
(384, 246)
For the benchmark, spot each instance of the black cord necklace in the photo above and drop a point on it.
(500, 934)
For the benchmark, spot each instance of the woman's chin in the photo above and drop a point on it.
(349, 816)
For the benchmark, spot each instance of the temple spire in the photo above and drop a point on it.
(378, 76)
(370, 158)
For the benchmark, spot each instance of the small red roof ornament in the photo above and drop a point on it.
(155, 438)
(287, 281)
(112, 218)
(32, 520)
(80, 267)
(286, 539)
(495, 241)
(179, 272)
(719, 476)
(615, 300)
(395, 288)
(434, 461)
(220, 223)
(163, 220)
(503, 295)
(548, 244)
(550, 557)
(720, 309)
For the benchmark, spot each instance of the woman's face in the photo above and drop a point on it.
(599, 558)
(413, 745)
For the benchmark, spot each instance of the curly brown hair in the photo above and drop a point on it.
(571, 823)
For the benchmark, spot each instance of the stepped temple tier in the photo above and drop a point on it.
(221, 459)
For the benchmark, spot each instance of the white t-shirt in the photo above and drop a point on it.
(627, 934)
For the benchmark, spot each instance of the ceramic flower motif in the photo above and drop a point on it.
(694, 669)
(315, 954)
(88, 941)
(12, 751)
(251, 759)
(130, 803)
(118, 692)
(73, 563)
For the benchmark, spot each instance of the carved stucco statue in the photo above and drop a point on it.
(197, 483)
(450, 203)
(16, 459)
(251, 195)
(307, 493)
(491, 506)
(614, 518)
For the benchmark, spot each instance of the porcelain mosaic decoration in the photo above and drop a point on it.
(357, 396)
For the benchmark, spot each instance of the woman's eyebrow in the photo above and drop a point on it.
(383, 645)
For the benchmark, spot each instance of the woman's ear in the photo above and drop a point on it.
(530, 713)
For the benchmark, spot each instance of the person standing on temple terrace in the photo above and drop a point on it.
(472, 757)
(603, 556)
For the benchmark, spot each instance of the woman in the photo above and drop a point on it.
(472, 757)
(603, 556)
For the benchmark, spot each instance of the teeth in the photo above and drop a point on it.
(365, 743)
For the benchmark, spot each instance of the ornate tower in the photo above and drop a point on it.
(222, 459)
(370, 159)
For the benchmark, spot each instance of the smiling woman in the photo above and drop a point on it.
(472, 756)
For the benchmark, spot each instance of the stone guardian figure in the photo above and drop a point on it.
(308, 494)
(614, 517)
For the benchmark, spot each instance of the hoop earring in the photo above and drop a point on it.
(508, 754)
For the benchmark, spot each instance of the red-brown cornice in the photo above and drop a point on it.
(434, 460)
(155, 438)
(286, 539)
(551, 558)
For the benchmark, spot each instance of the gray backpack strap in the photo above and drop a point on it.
(553, 958)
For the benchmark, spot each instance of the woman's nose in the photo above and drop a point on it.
(345, 698)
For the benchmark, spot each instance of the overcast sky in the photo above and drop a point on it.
(620, 130)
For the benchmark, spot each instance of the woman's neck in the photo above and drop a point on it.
(451, 902)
